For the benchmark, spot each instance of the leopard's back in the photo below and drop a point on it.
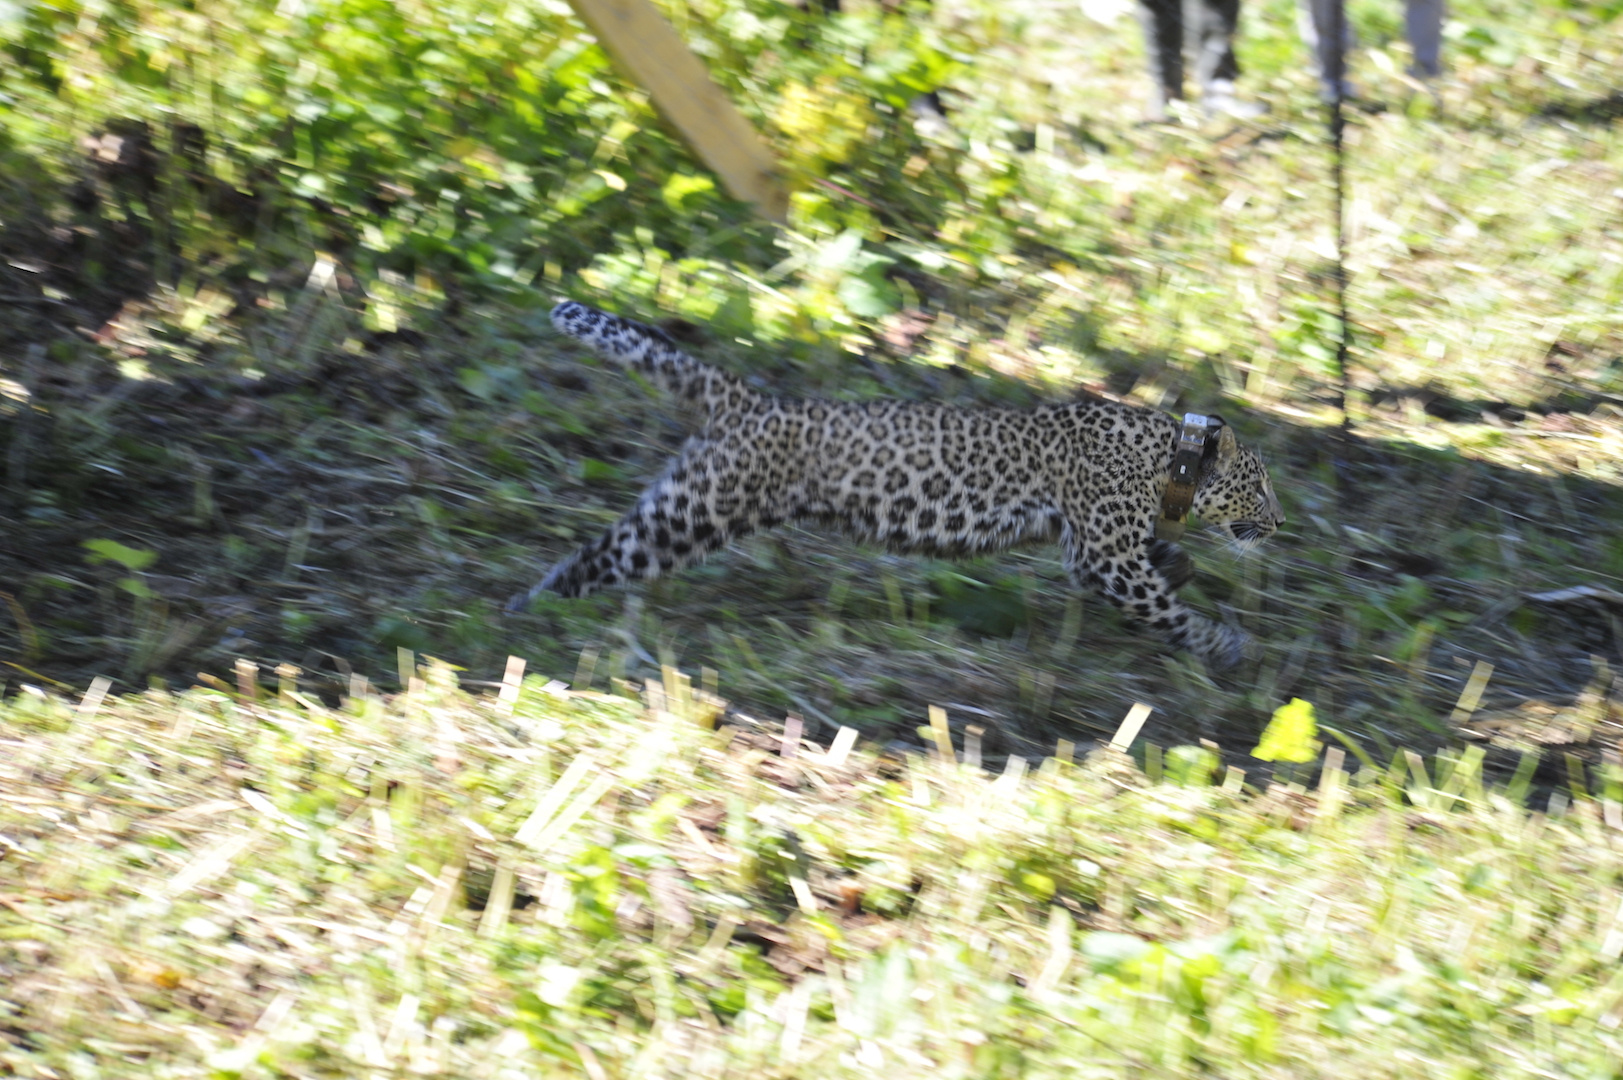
(942, 479)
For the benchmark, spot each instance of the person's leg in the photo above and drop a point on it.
(1424, 22)
(1314, 19)
(1213, 25)
(1215, 22)
(1163, 46)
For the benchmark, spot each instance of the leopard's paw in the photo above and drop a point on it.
(1234, 646)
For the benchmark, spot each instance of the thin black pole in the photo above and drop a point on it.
(1337, 72)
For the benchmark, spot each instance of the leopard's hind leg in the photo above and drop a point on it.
(707, 498)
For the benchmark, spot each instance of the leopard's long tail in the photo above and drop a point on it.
(643, 348)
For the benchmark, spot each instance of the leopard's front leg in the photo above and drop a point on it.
(1127, 571)
(1174, 563)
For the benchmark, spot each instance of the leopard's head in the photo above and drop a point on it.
(1235, 496)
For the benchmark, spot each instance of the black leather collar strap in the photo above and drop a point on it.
(1186, 469)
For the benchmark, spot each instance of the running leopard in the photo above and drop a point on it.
(924, 478)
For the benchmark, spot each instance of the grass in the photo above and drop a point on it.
(282, 425)
(546, 882)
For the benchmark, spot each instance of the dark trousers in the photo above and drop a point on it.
(1204, 29)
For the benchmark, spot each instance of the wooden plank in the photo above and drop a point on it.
(649, 50)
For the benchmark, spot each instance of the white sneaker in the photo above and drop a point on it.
(1220, 100)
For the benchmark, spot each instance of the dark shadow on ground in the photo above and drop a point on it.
(1596, 110)
(389, 497)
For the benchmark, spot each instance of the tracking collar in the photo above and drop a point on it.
(1196, 446)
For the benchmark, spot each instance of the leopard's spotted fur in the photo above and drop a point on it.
(919, 477)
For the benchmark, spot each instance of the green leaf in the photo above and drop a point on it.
(476, 382)
(1289, 736)
(1039, 885)
(1110, 952)
(840, 251)
(1191, 766)
(869, 297)
(135, 559)
(136, 587)
(998, 609)
(681, 187)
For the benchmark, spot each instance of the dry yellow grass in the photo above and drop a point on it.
(549, 883)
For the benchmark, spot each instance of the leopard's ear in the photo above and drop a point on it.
(1227, 448)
